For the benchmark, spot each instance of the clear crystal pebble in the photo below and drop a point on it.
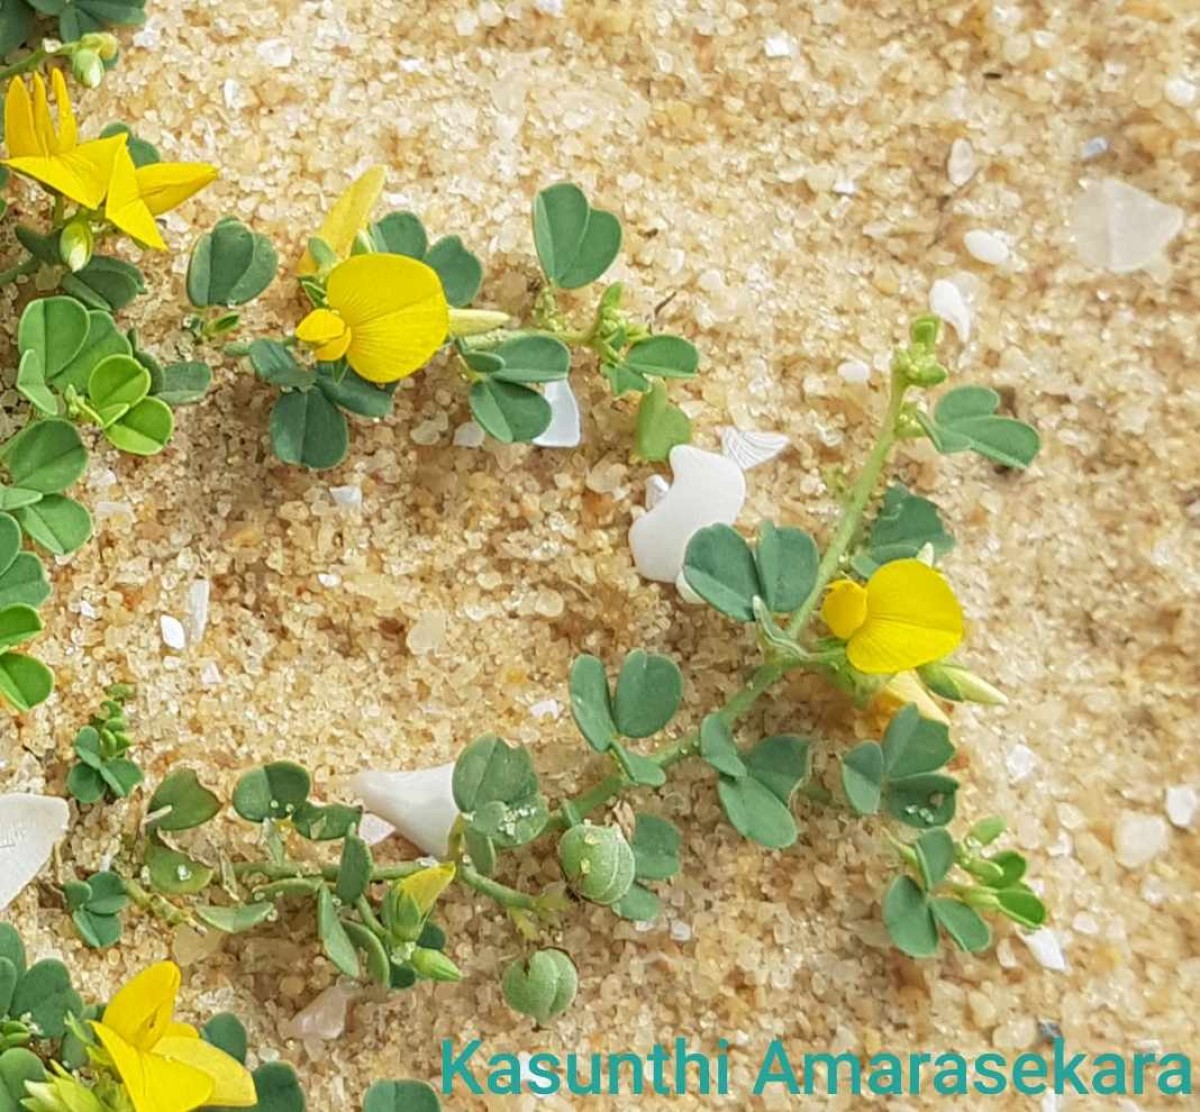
(778, 46)
(708, 489)
(348, 497)
(749, 447)
(1139, 839)
(427, 633)
(1179, 91)
(30, 825)
(1182, 804)
(323, 1020)
(419, 804)
(855, 372)
(986, 246)
(1121, 228)
(565, 430)
(1019, 761)
(172, 631)
(199, 594)
(946, 301)
(960, 166)
(275, 52)
(469, 435)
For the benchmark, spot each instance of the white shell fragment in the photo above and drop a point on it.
(1046, 949)
(986, 246)
(419, 804)
(656, 489)
(172, 631)
(946, 301)
(565, 429)
(709, 489)
(30, 825)
(749, 447)
(1121, 228)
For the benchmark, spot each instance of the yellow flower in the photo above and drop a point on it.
(904, 617)
(347, 218)
(427, 885)
(53, 155)
(137, 194)
(166, 1066)
(387, 315)
(905, 688)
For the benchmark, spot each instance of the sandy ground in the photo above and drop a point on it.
(781, 170)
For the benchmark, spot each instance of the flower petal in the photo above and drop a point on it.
(232, 1085)
(905, 688)
(166, 185)
(140, 1013)
(397, 310)
(912, 618)
(68, 130)
(155, 1083)
(43, 122)
(20, 132)
(348, 217)
(321, 326)
(125, 208)
(845, 608)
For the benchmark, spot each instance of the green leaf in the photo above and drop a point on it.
(16, 26)
(145, 430)
(912, 744)
(106, 894)
(231, 265)
(638, 905)
(496, 786)
(965, 419)
(328, 823)
(663, 357)
(182, 383)
(10, 541)
(121, 776)
(661, 425)
(922, 801)
(511, 413)
(718, 747)
(655, 848)
(334, 939)
(175, 873)
(354, 870)
(400, 233)
(274, 363)
(24, 681)
(482, 851)
(116, 385)
(641, 770)
(105, 283)
(85, 784)
(532, 359)
(935, 856)
(908, 916)
(623, 380)
(862, 777)
(8, 984)
(11, 947)
(18, 623)
(649, 691)
(787, 562)
(575, 243)
(13, 498)
(376, 962)
(56, 522)
(56, 328)
(962, 924)
(354, 394)
(97, 931)
(905, 524)
(24, 579)
(185, 801)
(781, 763)
(31, 385)
(306, 428)
(274, 791)
(720, 568)
(45, 994)
(104, 339)
(226, 1032)
(82, 17)
(17, 1067)
(591, 703)
(46, 456)
(401, 1096)
(755, 812)
(278, 1088)
(234, 920)
(460, 271)
(1012, 866)
(1022, 906)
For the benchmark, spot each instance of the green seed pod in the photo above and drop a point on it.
(542, 987)
(434, 965)
(597, 862)
(960, 685)
(75, 245)
(88, 68)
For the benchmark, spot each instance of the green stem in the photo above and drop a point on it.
(289, 871)
(493, 889)
(26, 65)
(7, 277)
(156, 905)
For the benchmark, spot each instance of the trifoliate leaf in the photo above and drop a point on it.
(230, 266)
(511, 413)
(575, 243)
(308, 429)
(908, 916)
(965, 419)
(649, 691)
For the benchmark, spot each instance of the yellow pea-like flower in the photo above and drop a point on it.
(165, 1066)
(387, 314)
(426, 886)
(137, 194)
(348, 217)
(904, 617)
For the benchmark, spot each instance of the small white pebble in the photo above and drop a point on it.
(547, 708)
(1083, 923)
(1093, 148)
(198, 597)
(469, 435)
(328, 579)
(275, 52)
(656, 487)
(1139, 839)
(855, 372)
(946, 301)
(1182, 804)
(87, 609)
(680, 931)
(172, 632)
(348, 497)
(1045, 947)
(427, 633)
(778, 46)
(987, 247)
(1179, 91)
(210, 674)
(1019, 761)
(553, 8)
(960, 165)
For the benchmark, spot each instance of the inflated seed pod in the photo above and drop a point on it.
(597, 861)
(541, 987)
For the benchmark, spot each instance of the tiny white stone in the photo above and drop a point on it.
(328, 579)
(960, 165)
(708, 489)
(681, 931)
(778, 46)
(749, 447)
(1182, 804)
(1083, 923)
(469, 435)
(172, 632)
(987, 247)
(552, 8)
(373, 830)
(275, 52)
(1139, 839)
(199, 594)
(210, 674)
(87, 609)
(946, 301)
(348, 497)
(419, 804)
(1179, 91)
(1046, 949)
(855, 372)
(1093, 148)
(427, 633)
(656, 487)
(565, 429)
(1019, 761)
(547, 708)
(30, 825)
(1121, 228)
